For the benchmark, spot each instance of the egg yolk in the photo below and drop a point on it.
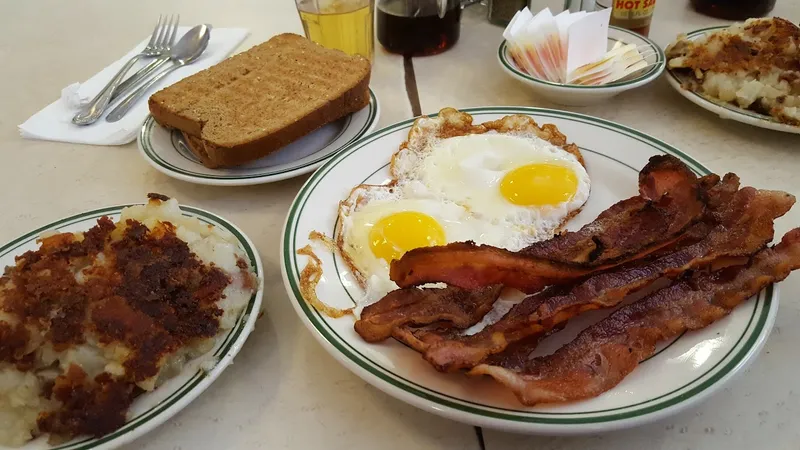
(397, 233)
(539, 184)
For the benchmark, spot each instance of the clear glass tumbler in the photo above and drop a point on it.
(418, 27)
(342, 24)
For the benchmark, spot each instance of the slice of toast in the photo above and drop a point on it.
(258, 101)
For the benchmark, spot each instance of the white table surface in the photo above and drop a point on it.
(284, 391)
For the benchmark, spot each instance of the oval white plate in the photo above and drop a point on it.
(153, 408)
(165, 150)
(682, 373)
(723, 109)
(576, 95)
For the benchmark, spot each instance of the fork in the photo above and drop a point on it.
(160, 41)
(127, 85)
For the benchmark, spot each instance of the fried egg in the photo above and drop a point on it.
(517, 181)
(507, 183)
(381, 223)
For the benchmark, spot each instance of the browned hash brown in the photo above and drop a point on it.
(754, 65)
(100, 317)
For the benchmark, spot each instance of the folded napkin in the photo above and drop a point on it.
(54, 122)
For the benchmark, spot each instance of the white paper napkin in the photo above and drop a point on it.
(54, 122)
(587, 39)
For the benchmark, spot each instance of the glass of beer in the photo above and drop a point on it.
(342, 24)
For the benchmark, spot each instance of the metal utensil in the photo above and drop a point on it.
(159, 44)
(186, 51)
(131, 82)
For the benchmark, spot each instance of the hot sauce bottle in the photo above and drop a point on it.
(634, 15)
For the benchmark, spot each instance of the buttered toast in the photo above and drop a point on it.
(258, 101)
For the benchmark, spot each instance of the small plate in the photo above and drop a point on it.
(166, 150)
(723, 109)
(684, 372)
(152, 409)
(577, 95)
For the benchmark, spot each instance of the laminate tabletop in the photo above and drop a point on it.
(283, 390)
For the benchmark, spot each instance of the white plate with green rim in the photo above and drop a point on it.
(682, 373)
(723, 109)
(154, 408)
(576, 95)
(167, 152)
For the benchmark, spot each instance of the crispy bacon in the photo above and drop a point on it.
(456, 307)
(618, 230)
(722, 192)
(603, 354)
(672, 199)
(422, 338)
(745, 225)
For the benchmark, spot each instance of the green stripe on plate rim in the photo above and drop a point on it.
(764, 302)
(200, 375)
(712, 100)
(147, 128)
(657, 68)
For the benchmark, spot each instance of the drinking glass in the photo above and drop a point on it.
(418, 27)
(342, 24)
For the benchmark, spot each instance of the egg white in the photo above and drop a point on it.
(458, 224)
(368, 204)
(468, 170)
(456, 181)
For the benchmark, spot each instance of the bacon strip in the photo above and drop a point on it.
(617, 231)
(457, 307)
(603, 354)
(422, 338)
(745, 225)
(672, 199)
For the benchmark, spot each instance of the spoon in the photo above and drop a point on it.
(186, 51)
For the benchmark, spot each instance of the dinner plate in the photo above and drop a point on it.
(683, 372)
(166, 150)
(154, 408)
(723, 109)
